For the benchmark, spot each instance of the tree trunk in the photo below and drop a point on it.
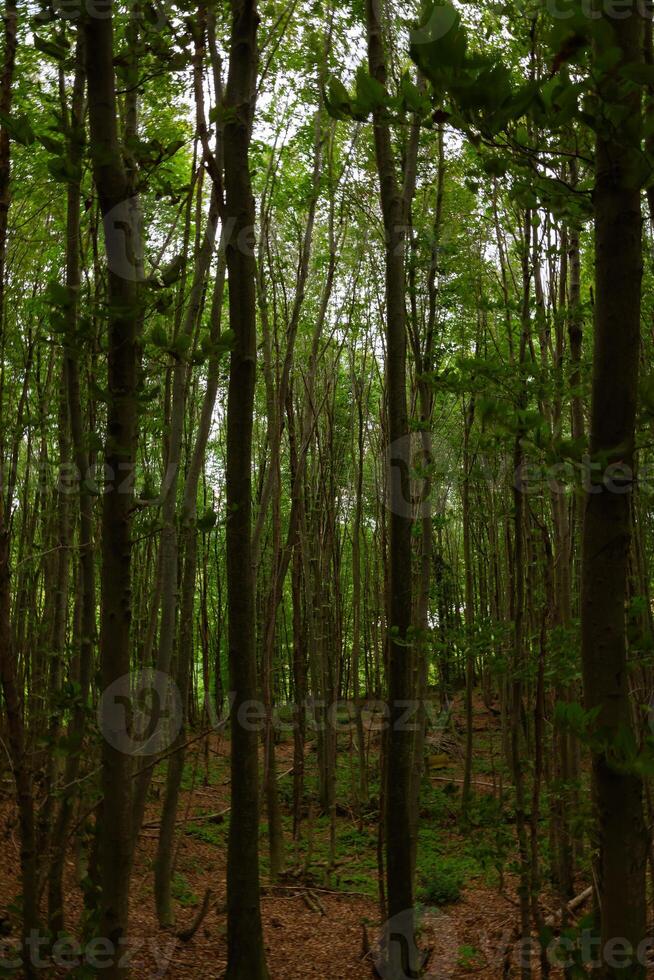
(606, 530)
(401, 951)
(189, 547)
(122, 244)
(80, 455)
(246, 954)
(9, 675)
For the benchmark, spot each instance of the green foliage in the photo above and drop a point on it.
(441, 882)
(440, 874)
(182, 892)
(208, 833)
(490, 835)
(500, 199)
(207, 520)
(469, 958)
(19, 128)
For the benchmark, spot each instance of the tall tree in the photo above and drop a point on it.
(607, 522)
(395, 198)
(9, 673)
(246, 954)
(120, 215)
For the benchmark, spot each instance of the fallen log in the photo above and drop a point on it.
(573, 904)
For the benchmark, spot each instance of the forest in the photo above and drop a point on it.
(327, 489)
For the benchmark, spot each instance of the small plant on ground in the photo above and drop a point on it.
(182, 891)
(469, 958)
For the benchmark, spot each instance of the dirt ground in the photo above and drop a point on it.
(311, 931)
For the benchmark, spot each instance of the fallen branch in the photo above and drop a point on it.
(205, 817)
(312, 902)
(300, 888)
(573, 904)
(187, 934)
(451, 779)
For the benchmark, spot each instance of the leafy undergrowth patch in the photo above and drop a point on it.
(321, 918)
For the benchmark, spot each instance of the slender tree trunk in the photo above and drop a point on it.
(246, 955)
(519, 566)
(469, 600)
(606, 531)
(9, 674)
(399, 848)
(87, 600)
(189, 547)
(169, 544)
(362, 785)
(300, 625)
(123, 249)
(424, 359)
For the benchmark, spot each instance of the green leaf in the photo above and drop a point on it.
(412, 97)
(370, 94)
(207, 520)
(337, 99)
(226, 340)
(495, 166)
(522, 100)
(438, 45)
(441, 31)
(172, 148)
(58, 51)
(63, 170)
(19, 128)
(51, 145)
(158, 336)
(58, 295)
(171, 273)
(181, 344)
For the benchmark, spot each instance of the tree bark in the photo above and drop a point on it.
(606, 530)
(122, 244)
(246, 954)
(399, 848)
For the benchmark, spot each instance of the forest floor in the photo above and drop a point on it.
(322, 923)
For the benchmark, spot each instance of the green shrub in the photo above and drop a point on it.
(440, 875)
(442, 883)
